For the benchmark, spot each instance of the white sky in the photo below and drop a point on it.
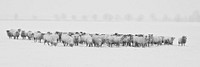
(145, 7)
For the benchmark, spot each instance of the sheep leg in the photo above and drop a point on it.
(110, 44)
(40, 41)
(117, 44)
(87, 45)
(64, 44)
(48, 43)
(34, 38)
(123, 43)
(45, 41)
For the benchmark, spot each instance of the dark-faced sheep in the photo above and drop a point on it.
(15, 33)
(23, 34)
(10, 35)
(182, 40)
(59, 34)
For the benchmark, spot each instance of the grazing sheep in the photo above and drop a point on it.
(182, 40)
(168, 40)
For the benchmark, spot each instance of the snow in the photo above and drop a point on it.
(25, 53)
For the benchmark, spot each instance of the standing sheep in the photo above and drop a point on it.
(38, 36)
(59, 34)
(10, 35)
(23, 34)
(29, 35)
(114, 39)
(156, 40)
(51, 38)
(140, 41)
(66, 39)
(76, 38)
(126, 40)
(15, 33)
(97, 40)
(87, 39)
(182, 40)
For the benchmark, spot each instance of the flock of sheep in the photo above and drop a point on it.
(95, 40)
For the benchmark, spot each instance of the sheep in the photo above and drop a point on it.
(15, 33)
(76, 38)
(23, 34)
(97, 40)
(59, 34)
(38, 36)
(156, 40)
(114, 39)
(10, 35)
(127, 39)
(86, 38)
(182, 40)
(140, 41)
(168, 40)
(51, 38)
(66, 39)
(29, 34)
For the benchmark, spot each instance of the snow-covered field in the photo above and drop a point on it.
(25, 53)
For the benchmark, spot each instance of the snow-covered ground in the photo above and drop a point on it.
(25, 53)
